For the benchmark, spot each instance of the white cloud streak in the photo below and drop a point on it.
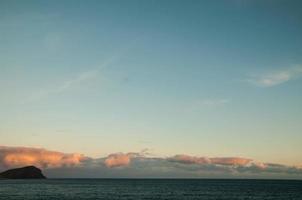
(274, 78)
(214, 102)
(66, 85)
(70, 83)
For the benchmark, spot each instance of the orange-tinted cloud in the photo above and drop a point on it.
(22, 156)
(230, 161)
(259, 165)
(123, 159)
(186, 159)
(59, 164)
(117, 160)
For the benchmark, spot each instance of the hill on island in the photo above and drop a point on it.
(28, 172)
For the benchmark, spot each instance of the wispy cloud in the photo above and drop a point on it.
(214, 102)
(274, 78)
(206, 103)
(70, 83)
(84, 76)
(80, 78)
(64, 86)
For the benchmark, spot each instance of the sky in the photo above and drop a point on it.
(152, 88)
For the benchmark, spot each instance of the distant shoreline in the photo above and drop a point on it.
(180, 179)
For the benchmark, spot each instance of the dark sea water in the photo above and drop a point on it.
(159, 189)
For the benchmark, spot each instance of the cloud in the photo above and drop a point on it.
(70, 83)
(122, 160)
(66, 85)
(81, 77)
(206, 103)
(22, 156)
(233, 166)
(231, 161)
(117, 160)
(186, 159)
(84, 76)
(274, 78)
(214, 102)
(140, 164)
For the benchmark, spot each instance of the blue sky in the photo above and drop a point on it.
(204, 78)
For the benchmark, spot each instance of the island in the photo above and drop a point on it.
(28, 172)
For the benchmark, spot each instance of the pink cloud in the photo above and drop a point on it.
(118, 160)
(231, 161)
(186, 159)
(22, 156)
(123, 159)
(259, 165)
(141, 163)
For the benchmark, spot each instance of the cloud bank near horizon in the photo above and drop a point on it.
(58, 164)
(21, 156)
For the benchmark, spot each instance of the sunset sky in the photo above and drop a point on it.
(207, 84)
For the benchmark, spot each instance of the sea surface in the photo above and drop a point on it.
(157, 189)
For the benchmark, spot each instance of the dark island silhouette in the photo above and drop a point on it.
(28, 172)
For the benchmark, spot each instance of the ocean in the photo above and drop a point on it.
(157, 189)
